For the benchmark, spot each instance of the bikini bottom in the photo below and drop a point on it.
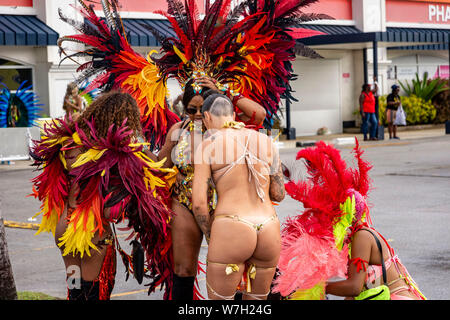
(257, 226)
(395, 292)
(250, 268)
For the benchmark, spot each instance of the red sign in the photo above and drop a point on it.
(148, 6)
(338, 9)
(424, 11)
(16, 3)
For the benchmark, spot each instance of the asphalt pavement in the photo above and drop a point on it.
(409, 206)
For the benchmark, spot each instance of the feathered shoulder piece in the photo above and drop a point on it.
(113, 64)
(248, 50)
(116, 181)
(313, 243)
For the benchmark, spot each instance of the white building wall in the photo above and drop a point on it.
(369, 15)
(49, 79)
(58, 76)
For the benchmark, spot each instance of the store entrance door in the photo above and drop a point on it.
(318, 91)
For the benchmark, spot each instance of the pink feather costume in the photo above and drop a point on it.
(309, 254)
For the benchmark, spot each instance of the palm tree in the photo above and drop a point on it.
(7, 284)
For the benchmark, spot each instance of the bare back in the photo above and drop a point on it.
(241, 161)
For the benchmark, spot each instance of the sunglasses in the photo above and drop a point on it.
(191, 111)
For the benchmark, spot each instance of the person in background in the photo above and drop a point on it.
(375, 88)
(367, 111)
(393, 102)
(73, 102)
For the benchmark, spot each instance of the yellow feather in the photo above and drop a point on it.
(315, 293)
(79, 240)
(90, 155)
(180, 54)
(49, 221)
(63, 159)
(76, 138)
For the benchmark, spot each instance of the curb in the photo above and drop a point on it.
(20, 225)
(401, 128)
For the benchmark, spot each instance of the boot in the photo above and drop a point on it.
(90, 290)
(183, 288)
(74, 294)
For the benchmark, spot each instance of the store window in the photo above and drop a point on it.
(13, 74)
(406, 67)
(18, 104)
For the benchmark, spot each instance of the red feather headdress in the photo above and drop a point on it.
(249, 50)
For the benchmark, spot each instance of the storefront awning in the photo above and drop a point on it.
(17, 30)
(142, 37)
(392, 37)
(433, 39)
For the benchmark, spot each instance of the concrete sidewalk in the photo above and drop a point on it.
(348, 138)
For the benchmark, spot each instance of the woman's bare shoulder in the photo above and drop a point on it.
(363, 236)
(174, 132)
(176, 126)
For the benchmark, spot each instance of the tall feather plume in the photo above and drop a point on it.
(291, 7)
(307, 52)
(176, 9)
(114, 64)
(360, 176)
(241, 44)
(79, 26)
(109, 18)
(86, 7)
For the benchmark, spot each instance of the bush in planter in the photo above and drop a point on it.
(424, 88)
(441, 102)
(418, 111)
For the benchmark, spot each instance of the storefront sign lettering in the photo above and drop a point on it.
(438, 13)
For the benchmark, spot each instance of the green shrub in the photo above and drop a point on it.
(418, 111)
(424, 88)
(442, 103)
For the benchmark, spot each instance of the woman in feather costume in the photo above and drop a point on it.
(97, 172)
(231, 50)
(179, 147)
(327, 240)
(244, 230)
